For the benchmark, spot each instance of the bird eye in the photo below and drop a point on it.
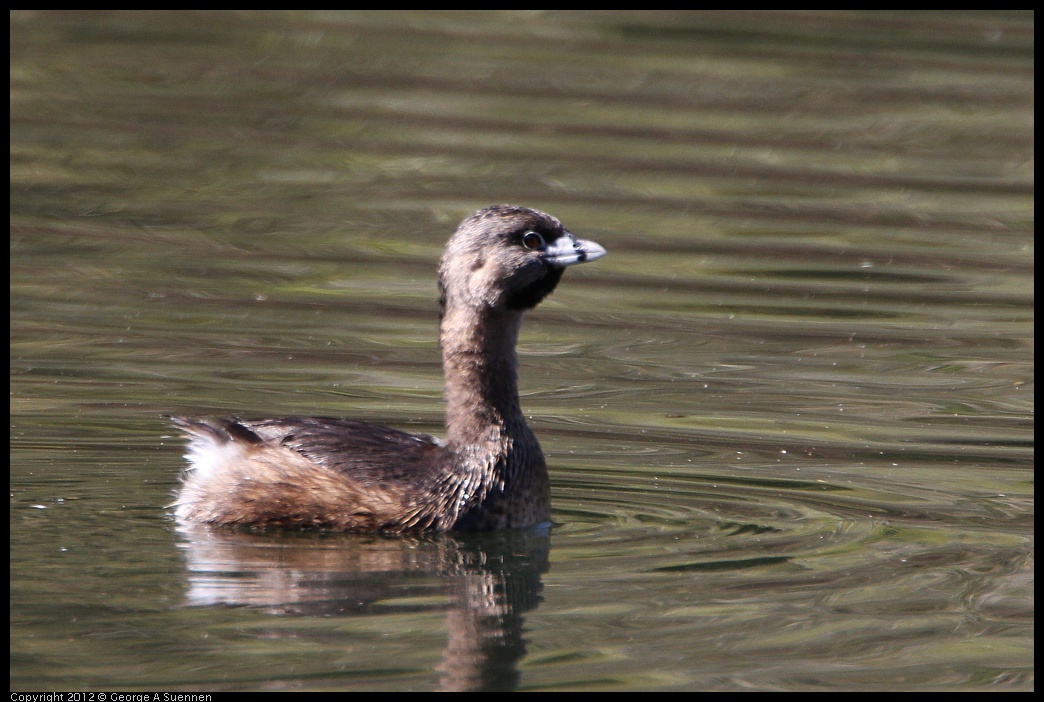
(532, 240)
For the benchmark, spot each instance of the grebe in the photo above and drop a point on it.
(346, 475)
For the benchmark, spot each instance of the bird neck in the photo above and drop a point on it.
(481, 367)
